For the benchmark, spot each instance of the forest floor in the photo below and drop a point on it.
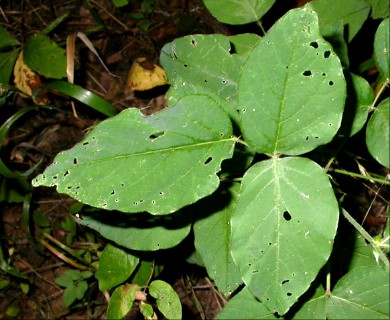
(119, 38)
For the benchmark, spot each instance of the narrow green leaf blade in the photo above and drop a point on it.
(38, 50)
(133, 163)
(245, 306)
(83, 95)
(121, 301)
(212, 238)
(115, 266)
(238, 11)
(300, 105)
(168, 301)
(382, 48)
(140, 232)
(377, 134)
(283, 229)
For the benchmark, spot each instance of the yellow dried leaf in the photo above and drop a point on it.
(25, 79)
(145, 75)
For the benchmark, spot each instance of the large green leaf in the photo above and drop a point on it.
(212, 238)
(283, 229)
(382, 48)
(140, 231)
(238, 11)
(363, 293)
(205, 61)
(115, 266)
(39, 50)
(292, 90)
(245, 306)
(377, 134)
(352, 13)
(133, 163)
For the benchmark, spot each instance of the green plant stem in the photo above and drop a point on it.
(358, 175)
(366, 236)
(385, 84)
(328, 291)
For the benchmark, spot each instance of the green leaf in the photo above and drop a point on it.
(147, 311)
(38, 50)
(363, 293)
(125, 162)
(83, 95)
(283, 229)
(278, 115)
(121, 301)
(243, 44)
(115, 266)
(7, 62)
(382, 48)
(140, 231)
(143, 273)
(352, 13)
(379, 8)
(217, 70)
(238, 12)
(120, 3)
(359, 100)
(168, 301)
(245, 306)
(212, 238)
(6, 40)
(377, 134)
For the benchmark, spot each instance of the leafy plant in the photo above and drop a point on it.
(244, 155)
(75, 285)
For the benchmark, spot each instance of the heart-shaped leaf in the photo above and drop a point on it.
(115, 266)
(292, 89)
(283, 229)
(134, 163)
(168, 301)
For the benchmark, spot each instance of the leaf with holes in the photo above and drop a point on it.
(238, 11)
(140, 231)
(377, 134)
(351, 297)
(212, 238)
(217, 70)
(292, 88)
(133, 163)
(115, 266)
(283, 229)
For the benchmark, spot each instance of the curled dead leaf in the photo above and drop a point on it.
(145, 75)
